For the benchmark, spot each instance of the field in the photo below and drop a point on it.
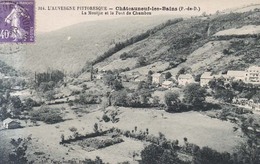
(198, 128)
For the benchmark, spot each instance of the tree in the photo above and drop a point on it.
(95, 128)
(144, 97)
(249, 151)
(155, 154)
(168, 75)
(172, 101)
(182, 71)
(169, 157)
(156, 100)
(149, 79)
(141, 61)
(194, 94)
(207, 155)
(224, 94)
(119, 98)
(152, 154)
(16, 102)
(49, 95)
(28, 104)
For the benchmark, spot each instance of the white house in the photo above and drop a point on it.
(185, 79)
(236, 75)
(252, 75)
(10, 124)
(205, 78)
(167, 84)
(158, 78)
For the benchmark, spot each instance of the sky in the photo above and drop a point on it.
(47, 20)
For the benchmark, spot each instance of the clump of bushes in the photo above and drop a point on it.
(105, 118)
(100, 143)
(47, 115)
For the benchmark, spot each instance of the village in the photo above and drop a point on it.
(182, 91)
(161, 80)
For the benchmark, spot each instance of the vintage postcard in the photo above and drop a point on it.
(129, 81)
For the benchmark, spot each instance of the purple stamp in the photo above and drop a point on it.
(17, 21)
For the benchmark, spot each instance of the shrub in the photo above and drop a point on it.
(47, 115)
(105, 118)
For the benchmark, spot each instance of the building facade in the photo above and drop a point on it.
(185, 79)
(10, 124)
(158, 78)
(252, 75)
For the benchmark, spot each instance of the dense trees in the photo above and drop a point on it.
(155, 154)
(47, 80)
(131, 98)
(120, 45)
(207, 155)
(226, 91)
(194, 95)
(113, 80)
(141, 61)
(47, 115)
(6, 69)
(12, 106)
(172, 101)
(54, 76)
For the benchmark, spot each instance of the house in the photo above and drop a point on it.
(11, 124)
(157, 78)
(185, 79)
(167, 84)
(205, 78)
(252, 75)
(237, 75)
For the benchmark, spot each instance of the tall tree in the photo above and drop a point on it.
(194, 94)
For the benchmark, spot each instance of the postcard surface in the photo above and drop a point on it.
(129, 81)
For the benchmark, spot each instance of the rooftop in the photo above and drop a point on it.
(167, 83)
(156, 75)
(236, 73)
(206, 75)
(8, 120)
(185, 76)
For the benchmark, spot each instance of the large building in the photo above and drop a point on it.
(185, 79)
(205, 78)
(158, 78)
(237, 75)
(252, 75)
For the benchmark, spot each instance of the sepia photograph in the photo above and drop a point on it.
(129, 82)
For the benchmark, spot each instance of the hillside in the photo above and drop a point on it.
(218, 43)
(70, 48)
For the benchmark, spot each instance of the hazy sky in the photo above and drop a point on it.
(52, 20)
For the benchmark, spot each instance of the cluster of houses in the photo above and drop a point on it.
(250, 75)
(183, 79)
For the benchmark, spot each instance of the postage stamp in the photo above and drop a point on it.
(17, 21)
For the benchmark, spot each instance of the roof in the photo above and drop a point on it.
(8, 120)
(156, 75)
(206, 75)
(167, 83)
(185, 76)
(254, 68)
(236, 73)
